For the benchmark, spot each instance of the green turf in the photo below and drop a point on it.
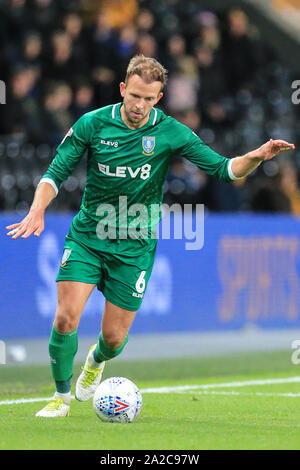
(250, 417)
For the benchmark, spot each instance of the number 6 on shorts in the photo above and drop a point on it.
(141, 283)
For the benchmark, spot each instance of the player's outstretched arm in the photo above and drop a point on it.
(33, 223)
(243, 166)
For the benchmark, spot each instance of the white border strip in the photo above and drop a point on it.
(230, 172)
(250, 394)
(20, 401)
(50, 181)
(113, 112)
(198, 389)
(245, 383)
(155, 116)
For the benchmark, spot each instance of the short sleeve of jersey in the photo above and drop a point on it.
(190, 146)
(69, 152)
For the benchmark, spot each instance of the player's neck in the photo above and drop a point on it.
(130, 124)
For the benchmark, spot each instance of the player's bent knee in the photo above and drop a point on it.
(65, 321)
(113, 341)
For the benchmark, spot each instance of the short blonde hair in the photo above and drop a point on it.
(149, 69)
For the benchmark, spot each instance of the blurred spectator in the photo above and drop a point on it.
(102, 41)
(17, 21)
(125, 48)
(23, 113)
(73, 26)
(146, 45)
(32, 52)
(267, 196)
(212, 88)
(241, 52)
(181, 93)
(183, 83)
(104, 83)
(175, 51)
(57, 118)
(145, 21)
(209, 29)
(83, 99)
(191, 118)
(290, 186)
(60, 62)
(120, 12)
(44, 16)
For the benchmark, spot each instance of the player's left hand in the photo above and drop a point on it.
(272, 148)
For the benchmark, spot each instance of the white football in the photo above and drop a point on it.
(117, 400)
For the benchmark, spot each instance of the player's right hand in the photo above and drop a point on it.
(33, 223)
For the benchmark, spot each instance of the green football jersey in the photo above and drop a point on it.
(126, 170)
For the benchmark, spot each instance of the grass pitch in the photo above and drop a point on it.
(246, 401)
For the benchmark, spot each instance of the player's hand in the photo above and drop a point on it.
(33, 223)
(272, 148)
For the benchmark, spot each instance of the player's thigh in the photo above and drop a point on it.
(71, 300)
(79, 263)
(125, 280)
(116, 322)
(79, 272)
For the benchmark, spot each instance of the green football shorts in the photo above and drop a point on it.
(122, 279)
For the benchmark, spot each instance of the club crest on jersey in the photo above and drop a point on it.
(148, 145)
(65, 257)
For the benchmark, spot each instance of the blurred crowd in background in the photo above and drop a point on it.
(60, 59)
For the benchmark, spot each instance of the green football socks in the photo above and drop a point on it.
(62, 350)
(103, 353)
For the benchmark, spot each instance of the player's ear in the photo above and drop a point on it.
(122, 89)
(160, 95)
